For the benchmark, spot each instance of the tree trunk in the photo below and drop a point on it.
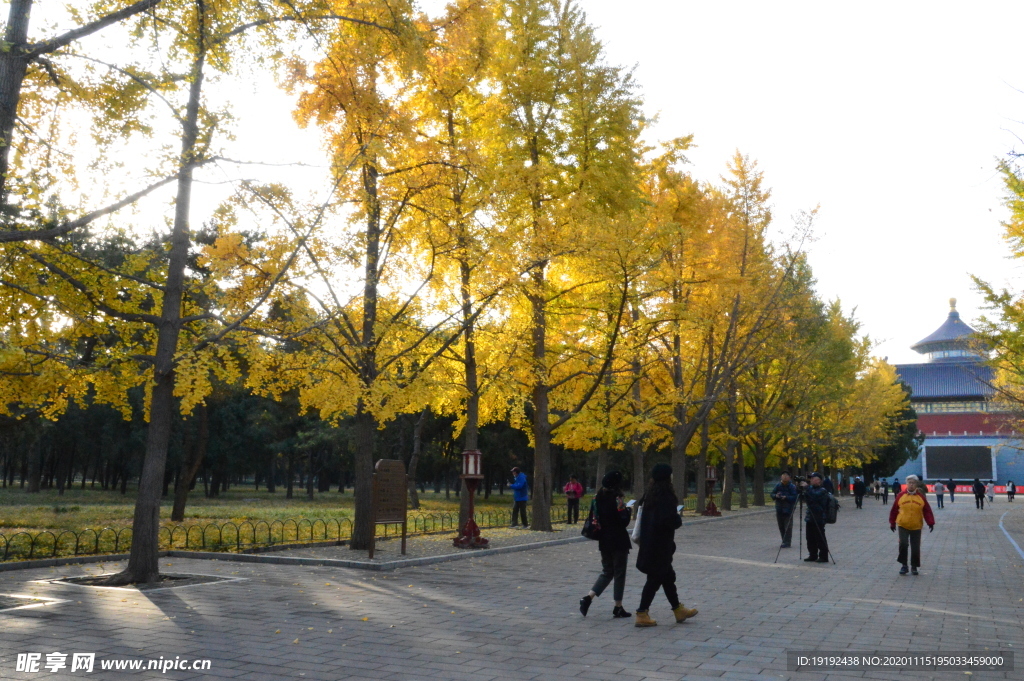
(414, 459)
(13, 64)
(142, 563)
(195, 455)
(290, 475)
(365, 421)
(702, 462)
(365, 440)
(743, 476)
(35, 467)
(681, 434)
(728, 453)
(760, 457)
(639, 474)
(310, 462)
(541, 520)
(602, 466)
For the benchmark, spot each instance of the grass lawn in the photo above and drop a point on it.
(79, 509)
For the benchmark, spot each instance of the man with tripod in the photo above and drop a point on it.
(816, 498)
(785, 497)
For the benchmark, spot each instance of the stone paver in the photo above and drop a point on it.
(514, 616)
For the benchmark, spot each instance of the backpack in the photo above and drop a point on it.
(591, 526)
(831, 510)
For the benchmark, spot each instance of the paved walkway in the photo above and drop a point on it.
(514, 616)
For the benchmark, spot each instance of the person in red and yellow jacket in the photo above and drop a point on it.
(910, 512)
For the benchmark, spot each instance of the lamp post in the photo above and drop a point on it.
(709, 479)
(469, 536)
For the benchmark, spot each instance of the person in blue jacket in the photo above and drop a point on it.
(520, 495)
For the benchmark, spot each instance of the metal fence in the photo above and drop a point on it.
(232, 536)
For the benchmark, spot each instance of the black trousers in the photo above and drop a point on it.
(817, 544)
(979, 501)
(572, 511)
(785, 521)
(519, 507)
(913, 539)
(664, 580)
(859, 499)
(1009, 496)
(613, 566)
(885, 496)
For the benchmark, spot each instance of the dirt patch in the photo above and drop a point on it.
(165, 581)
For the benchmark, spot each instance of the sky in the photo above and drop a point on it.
(891, 116)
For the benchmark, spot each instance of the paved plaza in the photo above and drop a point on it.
(514, 616)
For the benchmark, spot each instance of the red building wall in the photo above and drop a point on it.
(944, 424)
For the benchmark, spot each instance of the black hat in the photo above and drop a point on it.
(815, 474)
(661, 472)
(612, 480)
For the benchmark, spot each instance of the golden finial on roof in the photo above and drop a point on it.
(952, 304)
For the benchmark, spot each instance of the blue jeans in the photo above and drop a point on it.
(939, 500)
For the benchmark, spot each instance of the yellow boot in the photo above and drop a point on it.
(644, 620)
(682, 613)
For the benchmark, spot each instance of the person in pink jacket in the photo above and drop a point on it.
(573, 491)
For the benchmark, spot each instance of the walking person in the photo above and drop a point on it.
(979, 494)
(613, 543)
(896, 488)
(785, 498)
(816, 498)
(877, 488)
(1011, 489)
(659, 520)
(859, 489)
(573, 491)
(990, 491)
(940, 493)
(910, 511)
(951, 486)
(520, 495)
(885, 492)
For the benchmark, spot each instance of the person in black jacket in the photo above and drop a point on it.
(785, 498)
(659, 519)
(979, 494)
(859, 490)
(613, 516)
(816, 499)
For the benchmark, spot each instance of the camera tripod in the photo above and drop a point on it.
(800, 499)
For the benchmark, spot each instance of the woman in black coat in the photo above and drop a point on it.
(659, 519)
(613, 516)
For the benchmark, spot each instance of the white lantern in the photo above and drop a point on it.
(471, 465)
